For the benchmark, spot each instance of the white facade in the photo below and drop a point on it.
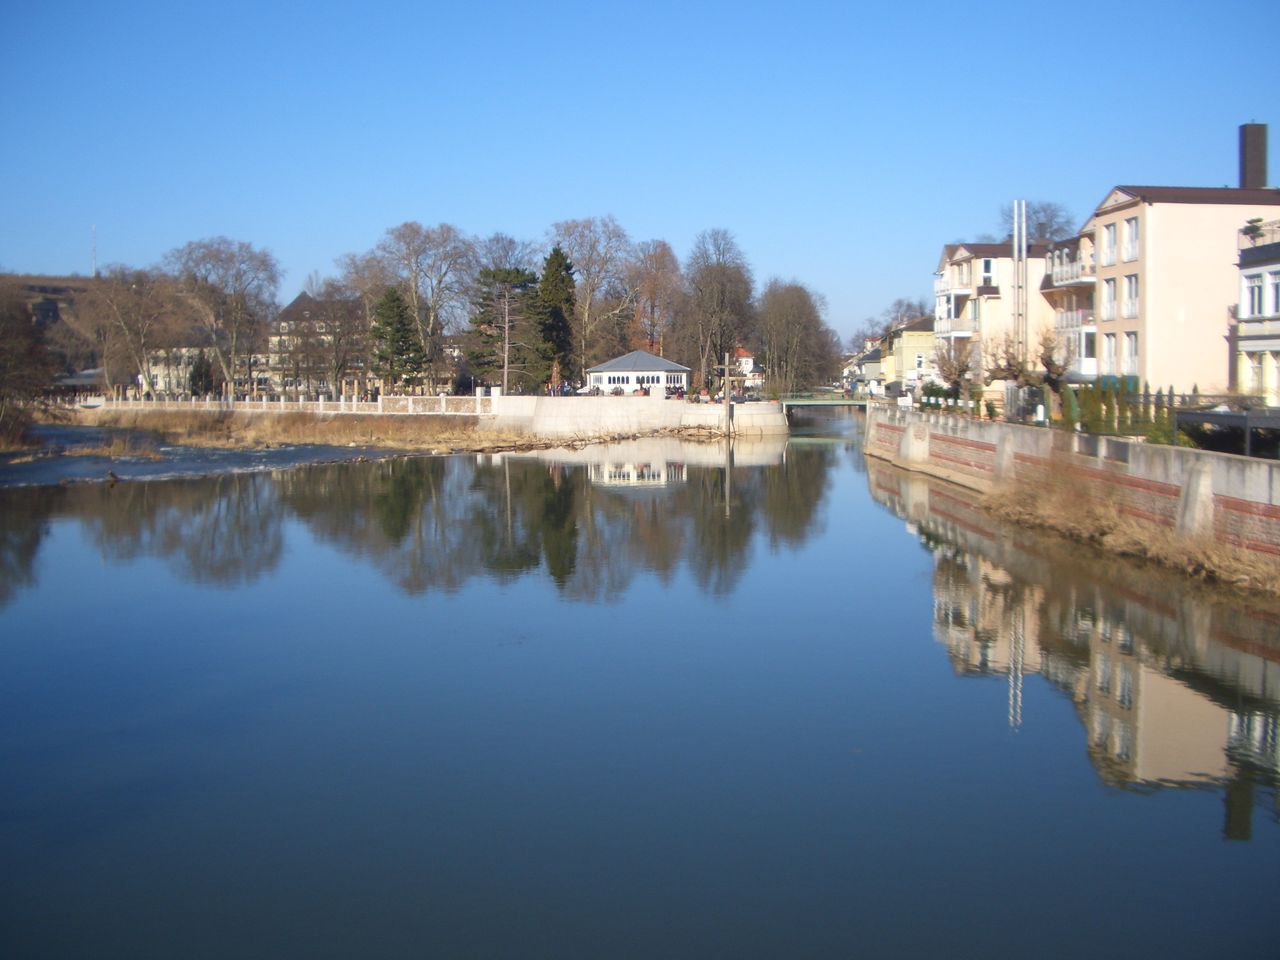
(1258, 313)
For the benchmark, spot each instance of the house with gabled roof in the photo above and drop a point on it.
(1166, 278)
(638, 370)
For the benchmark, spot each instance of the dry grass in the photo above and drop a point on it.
(134, 447)
(1057, 504)
(437, 434)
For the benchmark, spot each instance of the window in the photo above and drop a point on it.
(1253, 296)
(919, 361)
(1273, 281)
(988, 272)
(1130, 308)
(1109, 299)
(1131, 239)
(1109, 353)
(1131, 354)
(1108, 244)
(1090, 346)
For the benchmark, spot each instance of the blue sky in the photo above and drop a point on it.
(841, 145)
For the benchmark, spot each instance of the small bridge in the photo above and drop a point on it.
(821, 400)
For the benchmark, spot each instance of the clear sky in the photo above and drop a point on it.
(841, 143)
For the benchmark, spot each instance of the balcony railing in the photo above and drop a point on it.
(1258, 235)
(960, 286)
(1074, 319)
(953, 326)
(1073, 271)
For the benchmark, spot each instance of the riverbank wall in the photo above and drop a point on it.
(569, 418)
(1222, 498)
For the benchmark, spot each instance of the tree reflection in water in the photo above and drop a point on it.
(434, 523)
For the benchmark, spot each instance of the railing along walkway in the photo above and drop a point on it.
(384, 405)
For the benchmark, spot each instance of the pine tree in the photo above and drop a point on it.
(397, 349)
(503, 344)
(555, 307)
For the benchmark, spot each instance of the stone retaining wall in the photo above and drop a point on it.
(1232, 499)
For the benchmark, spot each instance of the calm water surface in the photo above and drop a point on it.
(650, 700)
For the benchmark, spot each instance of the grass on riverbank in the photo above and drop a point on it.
(247, 429)
(1056, 504)
(436, 434)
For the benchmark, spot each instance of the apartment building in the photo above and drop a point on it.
(1256, 339)
(974, 291)
(1164, 276)
(1070, 276)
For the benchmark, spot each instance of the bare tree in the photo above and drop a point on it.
(954, 359)
(720, 309)
(659, 289)
(433, 265)
(600, 251)
(1004, 359)
(1047, 221)
(799, 349)
(140, 310)
(231, 288)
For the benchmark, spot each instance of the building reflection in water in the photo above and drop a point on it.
(1174, 687)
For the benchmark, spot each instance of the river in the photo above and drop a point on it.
(651, 699)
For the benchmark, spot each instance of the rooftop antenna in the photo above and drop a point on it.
(94, 230)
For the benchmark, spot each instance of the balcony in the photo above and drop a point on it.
(953, 287)
(1073, 319)
(1085, 367)
(1073, 273)
(1258, 235)
(954, 327)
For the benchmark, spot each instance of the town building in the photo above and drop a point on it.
(638, 370)
(1164, 279)
(908, 352)
(975, 299)
(1256, 335)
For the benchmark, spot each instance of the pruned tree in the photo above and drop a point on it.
(600, 252)
(1005, 358)
(230, 287)
(955, 359)
(1056, 358)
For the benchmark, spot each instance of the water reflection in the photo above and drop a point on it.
(593, 519)
(1173, 686)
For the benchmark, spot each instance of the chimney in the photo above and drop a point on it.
(1253, 156)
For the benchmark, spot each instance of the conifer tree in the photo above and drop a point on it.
(555, 306)
(397, 349)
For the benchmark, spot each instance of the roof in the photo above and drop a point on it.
(957, 252)
(637, 360)
(919, 325)
(1201, 195)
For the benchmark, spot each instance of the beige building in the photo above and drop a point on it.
(907, 353)
(974, 296)
(1164, 268)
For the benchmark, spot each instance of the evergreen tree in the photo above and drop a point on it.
(555, 307)
(200, 381)
(505, 342)
(397, 349)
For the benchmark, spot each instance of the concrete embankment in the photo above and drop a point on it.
(455, 423)
(1107, 490)
(582, 417)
